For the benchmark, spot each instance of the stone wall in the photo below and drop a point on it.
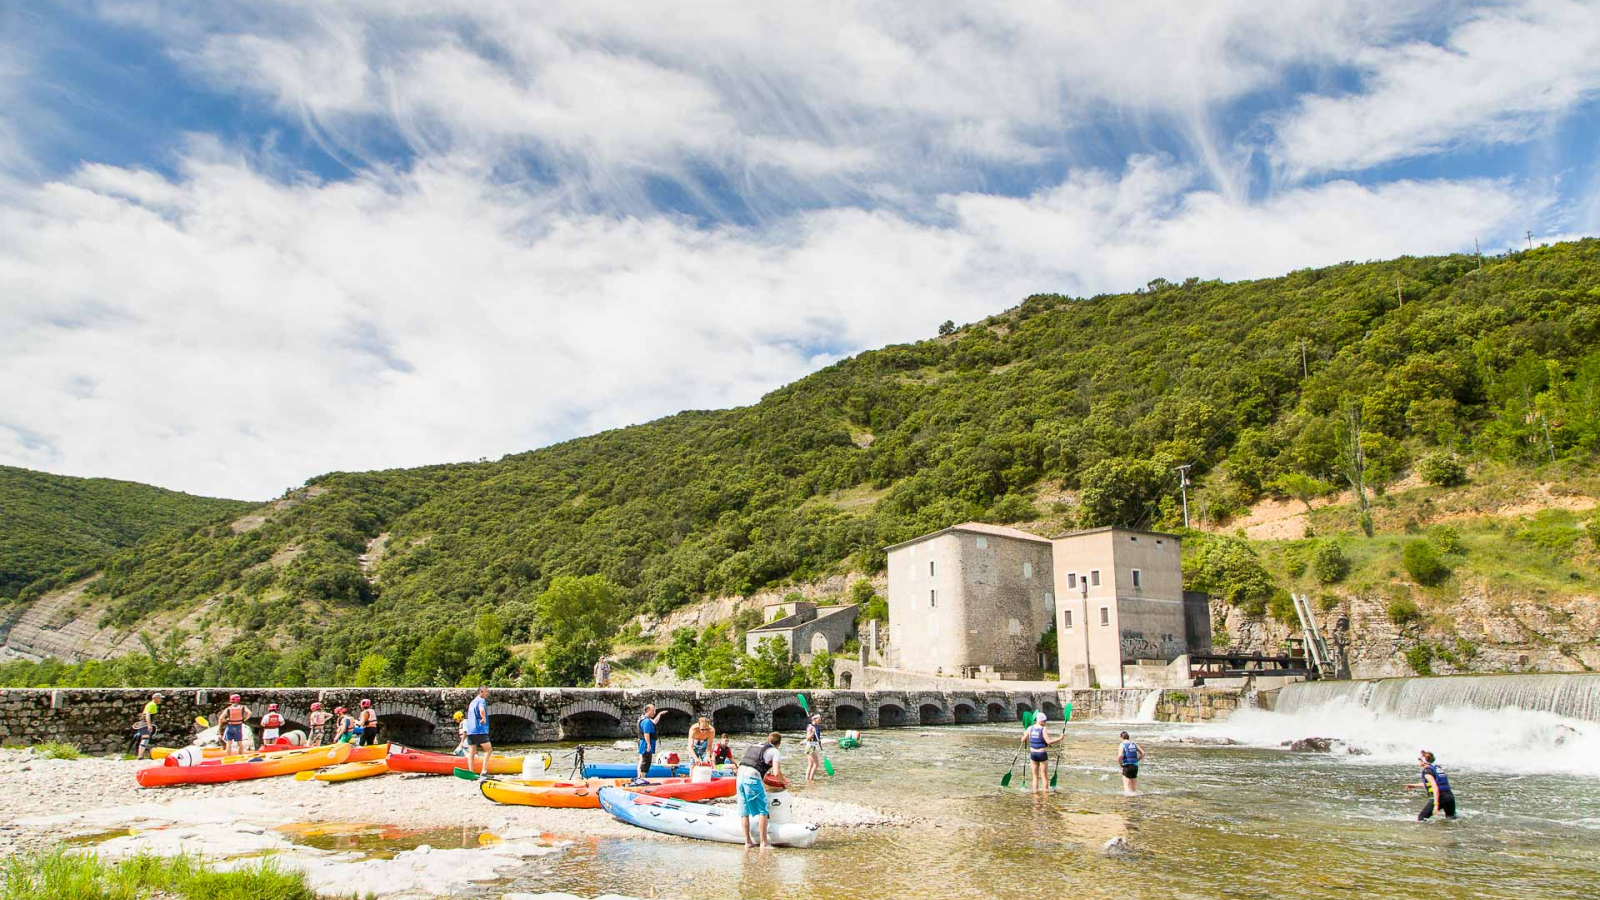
(1197, 704)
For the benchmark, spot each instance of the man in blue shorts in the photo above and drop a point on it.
(758, 761)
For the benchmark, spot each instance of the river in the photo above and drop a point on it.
(1243, 820)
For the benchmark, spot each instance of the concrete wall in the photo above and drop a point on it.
(1114, 620)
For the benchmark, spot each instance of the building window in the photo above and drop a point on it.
(930, 568)
(1158, 543)
(1067, 623)
(933, 599)
(1072, 580)
(1027, 570)
(1136, 582)
(1134, 539)
(1105, 615)
(1094, 578)
(983, 543)
(1049, 601)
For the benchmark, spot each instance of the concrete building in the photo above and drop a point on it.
(807, 629)
(972, 599)
(1121, 603)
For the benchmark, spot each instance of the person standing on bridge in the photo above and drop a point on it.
(602, 672)
(478, 731)
(1129, 755)
(647, 740)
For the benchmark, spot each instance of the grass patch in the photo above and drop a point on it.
(56, 750)
(61, 875)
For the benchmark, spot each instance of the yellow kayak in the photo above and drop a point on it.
(352, 771)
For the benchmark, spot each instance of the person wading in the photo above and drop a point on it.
(232, 719)
(1437, 784)
(812, 745)
(758, 761)
(1037, 739)
(271, 725)
(368, 723)
(145, 728)
(477, 728)
(700, 736)
(647, 740)
(1129, 755)
(321, 721)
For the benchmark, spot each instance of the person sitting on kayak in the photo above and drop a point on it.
(321, 722)
(345, 731)
(1037, 739)
(368, 723)
(145, 728)
(232, 719)
(758, 762)
(700, 735)
(1129, 755)
(1437, 784)
(271, 724)
(477, 728)
(721, 751)
(461, 733)
(812, 745)
(647, 740)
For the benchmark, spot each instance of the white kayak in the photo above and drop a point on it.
(703, 821)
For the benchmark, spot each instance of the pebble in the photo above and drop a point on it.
(1117, 846)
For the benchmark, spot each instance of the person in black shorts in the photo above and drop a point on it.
(1437, 784)
(1129, 755)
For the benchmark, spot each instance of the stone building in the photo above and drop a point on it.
(972, 599)
(806, 629)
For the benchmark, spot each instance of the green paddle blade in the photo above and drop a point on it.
(1005, 780)
(804, 706)
(827, 766)
(1066, 714)
(1027, 718)
(467, 774)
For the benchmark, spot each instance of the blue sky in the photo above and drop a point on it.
(242, 244)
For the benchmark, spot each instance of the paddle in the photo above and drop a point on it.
(201, 721)
(1066, 716)
(827, 764)
(1027, 722)
(468, 775)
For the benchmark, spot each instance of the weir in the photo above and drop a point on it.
(1568, 696)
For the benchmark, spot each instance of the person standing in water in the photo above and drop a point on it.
(700, 735)
(813, 747)
(721, 751)
(1437, 784)
(647, 740)
(1037, 739)
(758, 761)
(1129, 755)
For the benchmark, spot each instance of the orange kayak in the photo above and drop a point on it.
(220, 753)
(427, 763)
(165, 775)
(586, 794)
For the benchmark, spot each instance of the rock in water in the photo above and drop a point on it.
(1117, 846)
(1310, 745)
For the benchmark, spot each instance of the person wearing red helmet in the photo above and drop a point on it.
(345, 732)
(368, 723)
(232, 719)
(321, 726)
(271, 725)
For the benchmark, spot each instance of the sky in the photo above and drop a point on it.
(246, 243)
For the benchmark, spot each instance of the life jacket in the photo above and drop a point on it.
(1036, 739)
(347, 725)
(756, 758)
(1439, 778)
(814, 733)
(1130, 753)
(272, 720)
(647, 739)
(320, 718)
(235, 714)
(722, 751)
(368, 717)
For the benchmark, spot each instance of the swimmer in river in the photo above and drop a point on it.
(1129, 755)
(1437, 784)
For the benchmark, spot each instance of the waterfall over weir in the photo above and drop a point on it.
(1567, 696)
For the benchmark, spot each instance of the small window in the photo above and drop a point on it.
(1136, 582)
(1094, 578)
(1134, 539)
(1049, 600)
(1027, 570)
(983, 543)
(930, 568)
(933, 599)
(1072, 580)
(1067, 624)
(1158, 542)
(1105, 615)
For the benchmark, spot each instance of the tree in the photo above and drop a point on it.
(1442, 468)
(948, 327)
(576, 619)
(1302, 487)
(372, 672)
(683, 654)
(770, 666)
(1353, 461)
(723, 666)
(1229, 568)
(1121, 491)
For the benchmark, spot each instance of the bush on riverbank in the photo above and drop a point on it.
(60, 875)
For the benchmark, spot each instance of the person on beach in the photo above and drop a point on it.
(1037, 739)
(1437, 784)
(321, 723)
(700, 735)
(461, 733)
(721, 751)
(1129, 755)
(758, 761)
(232, 719)
(812, 745)
(647, 740)
(602, 672)
(477, 732)
(345, 731)
(145, 728)
(368, 723)
(271, 725)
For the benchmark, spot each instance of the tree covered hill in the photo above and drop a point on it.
(49, 523)
(1077, 409)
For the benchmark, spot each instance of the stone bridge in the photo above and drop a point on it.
(99, 719)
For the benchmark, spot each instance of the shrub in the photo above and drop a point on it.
(1403, 611)
(58, 750)
(1448, 540)
(1593, 527)
(1423, 563)
(1229, 568)
(1420, 659)
(1328, 563)
(1327, 602)
(1442, 468)
(1281, 606)
(1554, 530)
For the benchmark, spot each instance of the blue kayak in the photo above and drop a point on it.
(622, 770)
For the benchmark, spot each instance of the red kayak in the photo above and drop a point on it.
(426, 763)
(262, 767)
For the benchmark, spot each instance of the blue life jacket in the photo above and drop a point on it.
(647, 735)
(814, 733)
(1439, 778)
(1130, 753)
(1036, 739)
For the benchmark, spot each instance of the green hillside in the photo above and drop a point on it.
(1071, 409)
(49, 523)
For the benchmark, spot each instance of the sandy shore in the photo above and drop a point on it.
(48, 801)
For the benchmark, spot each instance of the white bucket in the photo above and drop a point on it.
(700, 773)
(532, 766)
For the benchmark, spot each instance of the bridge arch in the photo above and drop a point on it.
(965, 710)
(891, 714)
(513, 723)
(590, 718)
(410, 724)
(849, 715)
(788, 717)
(733, 715)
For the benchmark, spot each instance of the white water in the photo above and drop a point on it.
(1147, 707)
(1523, 724)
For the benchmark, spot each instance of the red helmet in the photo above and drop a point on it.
(339, 710)
(366, 703)
(233, 698)
(272, 707)
(316, 706)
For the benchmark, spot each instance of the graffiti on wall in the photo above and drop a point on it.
(1135, 645)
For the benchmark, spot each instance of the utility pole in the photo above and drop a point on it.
(1398, 292)
(1304, 372)
(1530, 239)
(1183, 486)
(1478, 250)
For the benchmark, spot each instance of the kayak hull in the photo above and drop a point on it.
(220, 772)
(350, 771)
(703, 822)
(622, 770)
(423, 762)
(585, 794)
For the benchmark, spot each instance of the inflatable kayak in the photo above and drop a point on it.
(584, 794)
(703, 822)
(350, 771)
(260, 767)
(623, 770)
(426, 763)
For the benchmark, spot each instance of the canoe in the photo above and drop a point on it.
(350, 771)
(219, 752)
(261, 767)
(703, 822)
(424, 762)
(622, 770)
(357, 754)
(584, 794)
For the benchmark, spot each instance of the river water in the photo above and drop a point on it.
(1246, 820)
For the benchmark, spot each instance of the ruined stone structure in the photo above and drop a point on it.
(806, 629)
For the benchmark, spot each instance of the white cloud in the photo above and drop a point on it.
(224, 332)
(1501, 77)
